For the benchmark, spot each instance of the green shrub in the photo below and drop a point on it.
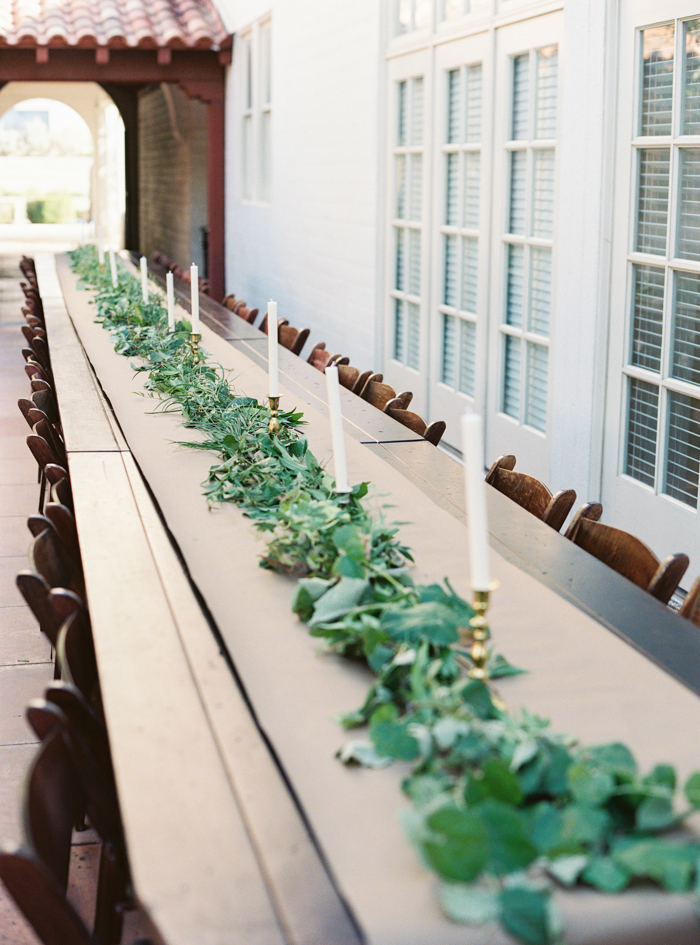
(53, 208)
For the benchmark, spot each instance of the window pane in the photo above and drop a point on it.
(546, 110)
(413, 347)
(516, 217)
(247, 162)
(657, 80)
(248, 71)
(652, 200)
(401, 114)
(473, 110)
(265, 155)
(683, 449)
(511, 377)
(691, 79)
(688, 242)
(472, 182)
(400, 259)
(642, 420)
(467, 358)
(404, 17)
(521, 81)
(414, 262)
(265, 69)
(453, 106)
(417, 112)
(398, 329)
(453, 8)
(447, 374)
(536, 403)
(514, 286)
(400, 206)
(451, 189)
(685, 364)
(449, 293)
(647, 317)
(543, 194)
(540, 289)
(423, 10)
(416, 186)
(470, 264)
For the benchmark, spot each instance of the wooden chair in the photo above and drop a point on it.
(280, 321)
(362, 380)
(320, 358)
(348, 376)
(51, 559)
(75, 653)
(291, 338)
(630, 557)
(63, 522)
(400, 402)
(36, 593)
(380, 394)
(247, 314)
(591, 510)
(432, 433)
(530, 493)
(690, 608)
(37, 875)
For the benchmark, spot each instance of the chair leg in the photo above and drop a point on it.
(42, 490)
(111, 887)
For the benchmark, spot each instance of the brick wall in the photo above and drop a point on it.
(172, 174)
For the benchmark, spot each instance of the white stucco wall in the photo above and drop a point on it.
(313, 248)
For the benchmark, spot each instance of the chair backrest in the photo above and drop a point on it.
(362, 381)
(319, 357)
(400, 402)
(51, 559)
(530, 493)
(690, 608)
(75, 653)
(348, 375)
(35, 590)
(63, 522)
(291, 338)
(60, 488)
(280, 322)
(407, 418)
(378, 393)
(591, 510)
(630, 557)
(53, 803)
(40, 898)
(435, 431)
(45, 400)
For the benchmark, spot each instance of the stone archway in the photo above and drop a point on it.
(101, 116)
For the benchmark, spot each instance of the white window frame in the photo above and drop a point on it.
(254, 54)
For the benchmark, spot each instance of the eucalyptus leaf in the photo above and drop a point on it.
(469, 904)
(525, 914)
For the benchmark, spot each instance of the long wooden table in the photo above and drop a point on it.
(241, 823)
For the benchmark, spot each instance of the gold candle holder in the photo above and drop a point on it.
(474, 638)
(274, 415)
(194, 344)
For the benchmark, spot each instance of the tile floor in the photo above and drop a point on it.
(25, 658)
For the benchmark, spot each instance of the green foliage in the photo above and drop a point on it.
(501, 807)
(53, 208)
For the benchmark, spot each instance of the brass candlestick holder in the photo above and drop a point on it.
(195, 338)
(274, 415)
(474, 639)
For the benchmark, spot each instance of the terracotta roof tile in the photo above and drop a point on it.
(116, 23)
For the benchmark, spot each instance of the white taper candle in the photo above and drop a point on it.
(272, 352)
(475, 491)
(194, 295)
(113, 267)
(337, 436)
(170, 296)
(144, 279)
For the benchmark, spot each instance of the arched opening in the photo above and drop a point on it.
(62, 165)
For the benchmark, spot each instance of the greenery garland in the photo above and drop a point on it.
(503, 808)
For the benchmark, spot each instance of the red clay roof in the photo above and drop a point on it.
(117, 24)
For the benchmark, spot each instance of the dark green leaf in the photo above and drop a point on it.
(390, 736)
(525, 914)
(605, 874)
(429, 621)
(590, 785)
(655, 813)
(341, 598)
(692, 789)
